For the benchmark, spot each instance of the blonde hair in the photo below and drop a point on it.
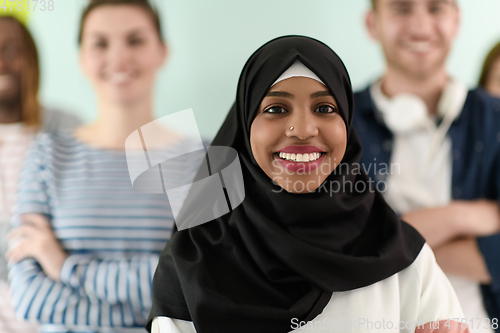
(491, 58)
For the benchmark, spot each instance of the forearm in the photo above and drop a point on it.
(437, 225)
(463, 258)
(441, 225)
(114, 281)
(37, 297)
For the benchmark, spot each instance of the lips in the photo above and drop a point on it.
(300, 158)
(119, 77)
(418, 46)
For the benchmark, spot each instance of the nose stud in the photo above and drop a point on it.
(291, 128)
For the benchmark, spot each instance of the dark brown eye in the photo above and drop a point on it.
(275, 110)
(100, 45)
(136, 41)
(325, 109)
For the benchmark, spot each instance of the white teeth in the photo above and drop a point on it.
(119, 77)
(6, 81)
(419, 46)
(300, 157)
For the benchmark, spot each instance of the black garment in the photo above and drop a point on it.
(279, 256)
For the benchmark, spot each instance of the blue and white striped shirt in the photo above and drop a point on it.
(112, 234)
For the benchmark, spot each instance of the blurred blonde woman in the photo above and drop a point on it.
(490, 73)
(86, 244)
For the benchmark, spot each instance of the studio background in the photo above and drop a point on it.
(211, 40)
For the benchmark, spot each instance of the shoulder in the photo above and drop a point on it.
(479, 121)
(424, 262)
(364, 112)
(482, 106)
(56, 120)
(55, 144)
(363, 101)
(421, 274)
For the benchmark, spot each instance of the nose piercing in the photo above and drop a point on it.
(291, 128)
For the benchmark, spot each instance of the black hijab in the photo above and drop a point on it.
(279, 255)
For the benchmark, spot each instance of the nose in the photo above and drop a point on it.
(118, 56)
(302, 124)
(421, 22)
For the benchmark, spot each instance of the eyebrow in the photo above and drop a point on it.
(321, 94)
(288, 95)
(136, 31)
(400, 3)
(447, 2)
(410, 3)
(279, 94)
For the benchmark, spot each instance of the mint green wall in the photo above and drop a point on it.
(210, 41)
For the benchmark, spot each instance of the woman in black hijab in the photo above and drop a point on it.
(312, 241)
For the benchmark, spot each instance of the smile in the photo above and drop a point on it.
(419, 47)
(297, 162)
(297, 157)
(6, 81)
(119, 77)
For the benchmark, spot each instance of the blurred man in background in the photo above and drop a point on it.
(445, 141)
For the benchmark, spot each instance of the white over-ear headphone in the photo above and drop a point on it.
(405, 112)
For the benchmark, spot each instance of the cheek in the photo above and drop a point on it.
(448, 31)
(149, 59)
(18, 65)
(263, 138)
(90, 64)
(337, 139)
(389, 30)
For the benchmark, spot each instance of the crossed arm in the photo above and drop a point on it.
(452, 233)
(50, 286)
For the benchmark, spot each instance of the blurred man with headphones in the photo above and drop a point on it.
(445, 144)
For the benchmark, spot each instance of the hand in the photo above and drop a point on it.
(462, 257)
(479, 217)
(35, 239)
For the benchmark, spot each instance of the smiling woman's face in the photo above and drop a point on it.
(298, 136)
(121, 53)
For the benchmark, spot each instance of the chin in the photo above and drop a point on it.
(298, 186)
